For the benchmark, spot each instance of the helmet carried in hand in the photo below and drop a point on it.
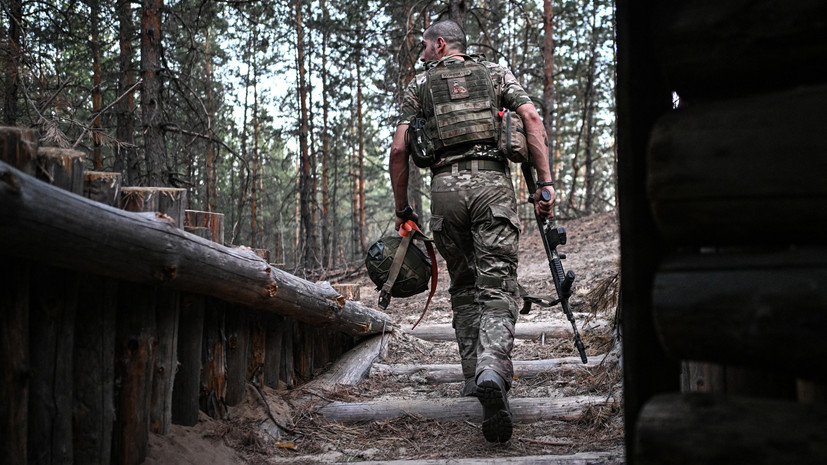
(414, 275)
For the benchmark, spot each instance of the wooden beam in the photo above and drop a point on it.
(45, 223)
(737, 307)
(452, 373)
(720, 49)
(701, 428)
(460, 409)
(722, 173)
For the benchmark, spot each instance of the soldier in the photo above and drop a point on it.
(474, 218)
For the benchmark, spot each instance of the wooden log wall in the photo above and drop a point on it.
(721, 114)
(103, 346)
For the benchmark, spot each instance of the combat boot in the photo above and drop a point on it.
(496, 415)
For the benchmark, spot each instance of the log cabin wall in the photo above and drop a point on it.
(111, 329)
(722, 161)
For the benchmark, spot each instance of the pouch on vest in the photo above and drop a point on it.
(420, 147)
(513, 143)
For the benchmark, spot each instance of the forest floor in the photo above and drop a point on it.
(247, 436)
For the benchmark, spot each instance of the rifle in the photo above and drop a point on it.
(552, 237)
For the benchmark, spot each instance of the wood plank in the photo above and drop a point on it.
(213, 222)
(14, 359)
(104, 187)
(133, 372)
(711, 49)
(169, 203)
(74, 232)
(702, 428)
(719, 172)
(738, 307)
(214, 360)
(18, 148)
(273, 350)
(524, 410)
(61, 167)
(94, 370)
(452, 373)
(237, 330)
(528, 331)
(642, 97)
(187, 382)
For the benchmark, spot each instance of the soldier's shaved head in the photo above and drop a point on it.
(451, 32)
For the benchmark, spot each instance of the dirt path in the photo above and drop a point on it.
(592, 252)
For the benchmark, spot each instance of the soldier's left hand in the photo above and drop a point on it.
(544, 208)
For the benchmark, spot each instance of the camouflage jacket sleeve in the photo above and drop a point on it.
(511, 93)
(410, 101)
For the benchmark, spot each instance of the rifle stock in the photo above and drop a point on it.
(552, 237)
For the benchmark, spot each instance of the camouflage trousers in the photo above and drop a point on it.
(476, 230)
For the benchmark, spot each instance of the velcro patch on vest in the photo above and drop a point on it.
(457, 88)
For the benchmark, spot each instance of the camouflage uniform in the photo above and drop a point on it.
(476, 228)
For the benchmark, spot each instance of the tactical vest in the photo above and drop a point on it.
(459, 108)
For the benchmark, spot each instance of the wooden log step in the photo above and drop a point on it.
(672, 428)
(720, 48)
(460, 409)
(76, 233)
(452, 373)
(580, 458)
(760, 310)
(530, 331)
(719, 168)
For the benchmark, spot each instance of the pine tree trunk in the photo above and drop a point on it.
(305, 200)
(97, 98)
(127, 159)
(457, 9)
(211, 202)
(548, 80)
(15, 15)
(361, 159)
(256, 166)
(151, 104)
(327, 256)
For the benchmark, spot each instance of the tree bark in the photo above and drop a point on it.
(308, 248)
(97, 94)
(127, 159)
(15, 16)
(151, 101)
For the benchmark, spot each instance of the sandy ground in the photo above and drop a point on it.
(249, 436)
